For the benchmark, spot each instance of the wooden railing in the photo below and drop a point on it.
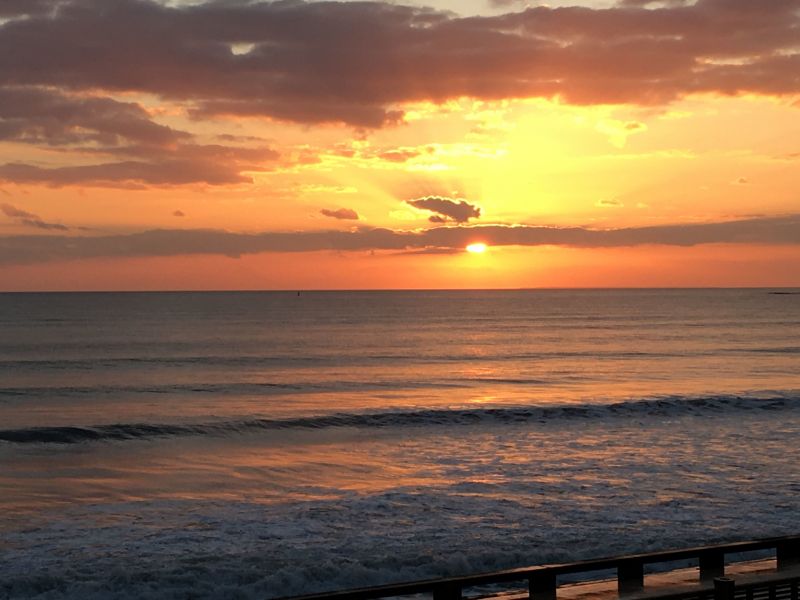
(542, 581)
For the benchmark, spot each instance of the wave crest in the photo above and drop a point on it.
(652, 408)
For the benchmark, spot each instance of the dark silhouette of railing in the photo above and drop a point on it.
(542, 581)
(726, 588)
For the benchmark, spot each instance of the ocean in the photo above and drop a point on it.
(266, 444)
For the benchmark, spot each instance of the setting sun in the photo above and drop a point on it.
(478, 248)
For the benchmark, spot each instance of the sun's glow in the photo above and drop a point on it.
(478, 248)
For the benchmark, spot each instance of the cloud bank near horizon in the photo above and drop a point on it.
(30, 249)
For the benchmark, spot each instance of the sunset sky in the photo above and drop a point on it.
(309, 145)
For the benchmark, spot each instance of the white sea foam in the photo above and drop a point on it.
(239, 551)
(471, 499)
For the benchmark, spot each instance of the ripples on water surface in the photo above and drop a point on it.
(266, 444)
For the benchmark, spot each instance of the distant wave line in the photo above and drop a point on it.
(666, 407)
(223, 389)
(258, 360)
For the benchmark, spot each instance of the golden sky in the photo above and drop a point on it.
(298, 145)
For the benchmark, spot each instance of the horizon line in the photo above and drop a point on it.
(326, 290)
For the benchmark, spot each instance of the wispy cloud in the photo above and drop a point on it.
(214, 165)
(609, 203)
(30, 219)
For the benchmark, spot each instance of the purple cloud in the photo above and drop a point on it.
(306, 60)
(340, 213)
(30, 219)
(446, 209)
(39, 248)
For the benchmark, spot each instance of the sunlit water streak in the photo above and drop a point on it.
(266, 444)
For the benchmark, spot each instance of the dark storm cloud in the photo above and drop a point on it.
(354, 62)
(459, 211)
(35, 249)
(31, 220)
(340, 213)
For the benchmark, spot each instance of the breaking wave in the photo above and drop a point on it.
(651, 408)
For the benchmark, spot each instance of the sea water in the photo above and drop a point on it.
(265, 444)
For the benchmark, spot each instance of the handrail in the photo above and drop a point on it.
(542, 579)
(735, 587)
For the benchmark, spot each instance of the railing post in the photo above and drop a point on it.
(787, 554)
(630, 576)
(712, 564)
(724, 588)
(447, 591)
(542, 586)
